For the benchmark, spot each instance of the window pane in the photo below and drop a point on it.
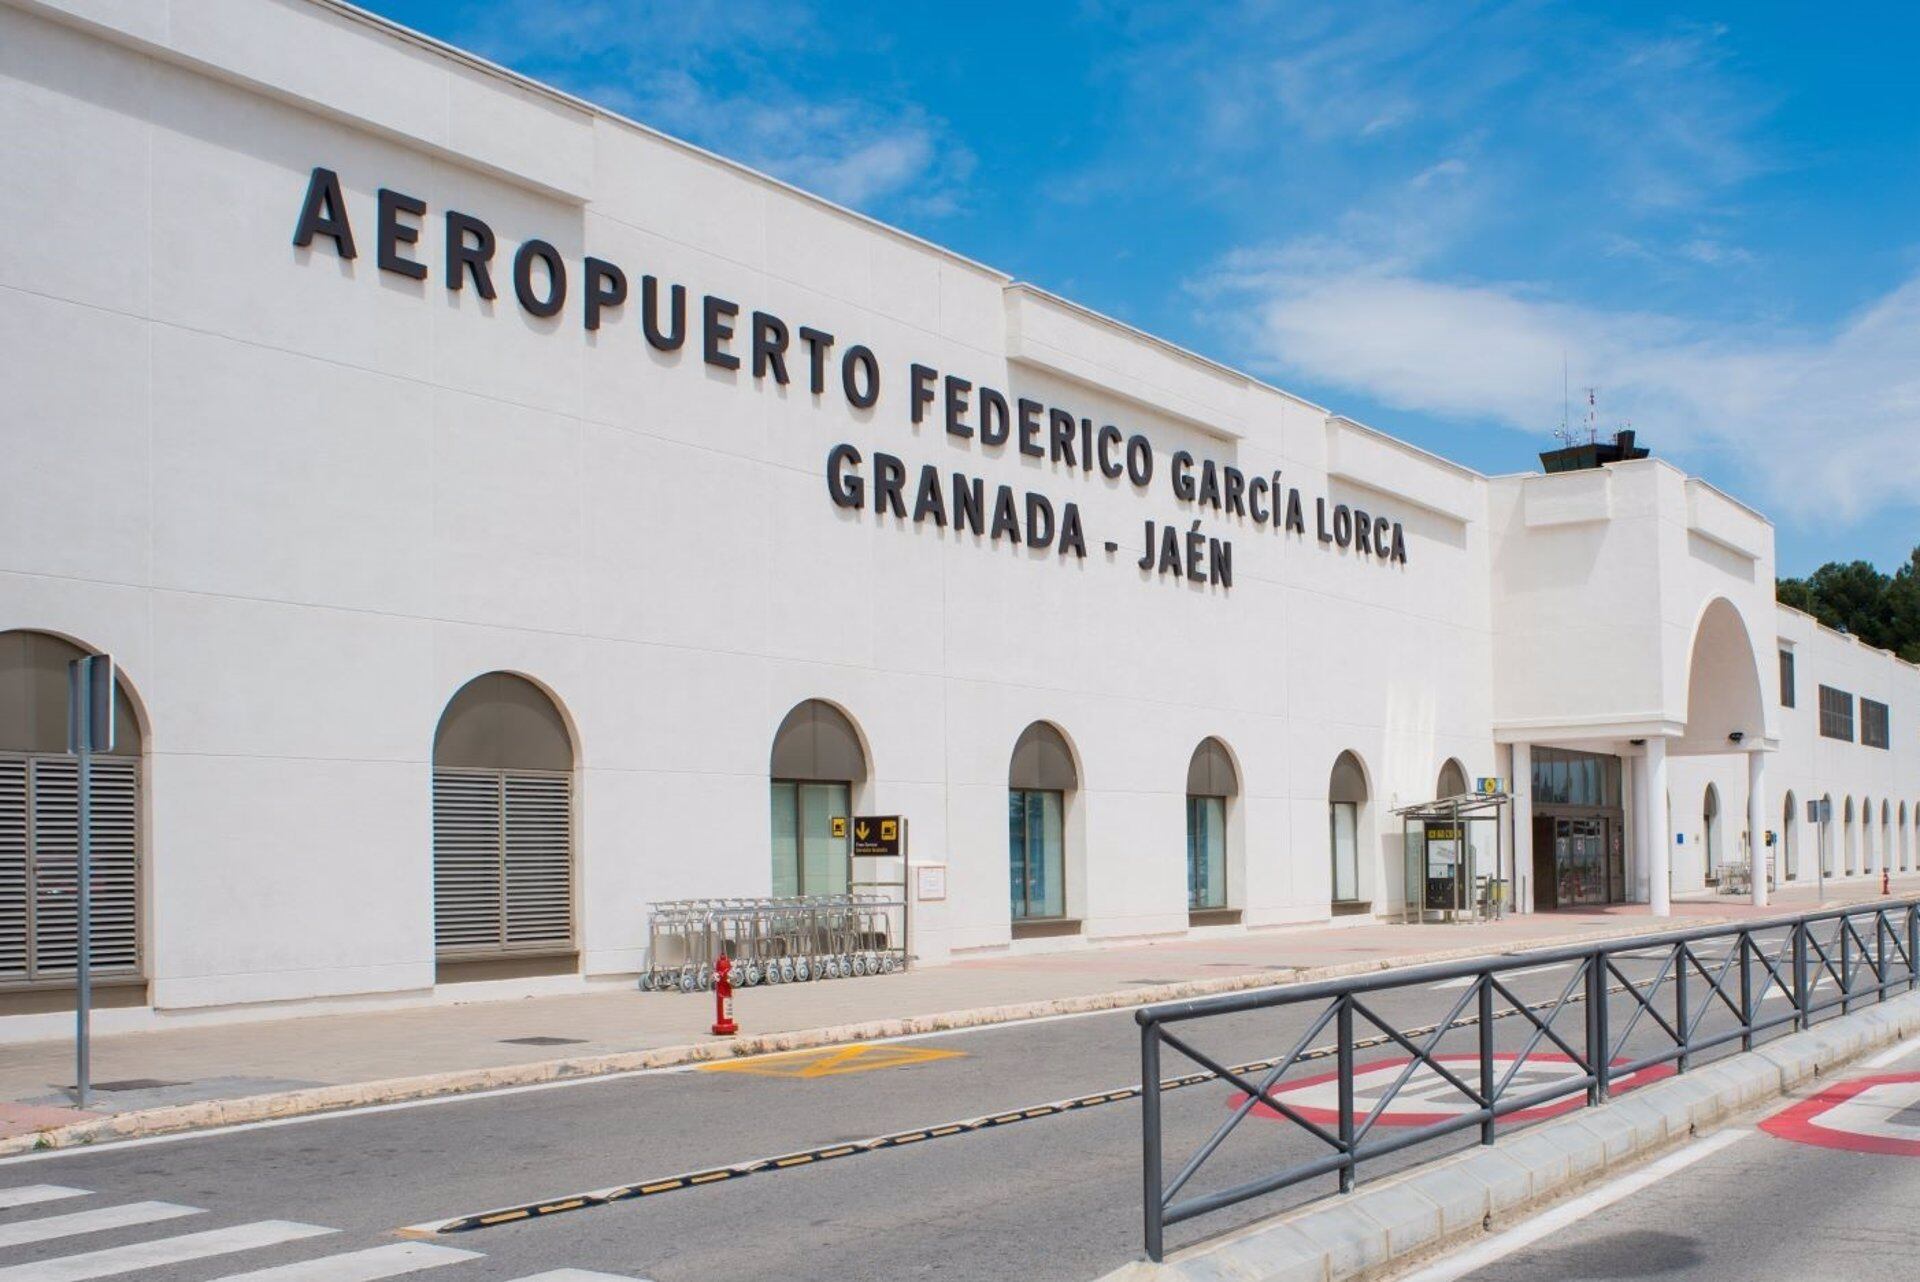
(1046, 855)
(1017, 851)
(786, 839)
(1206, 852)
(823, 855)
(1346, 852)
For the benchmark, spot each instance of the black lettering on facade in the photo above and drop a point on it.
(716, 331)
(956, 404)
(889, 479)
(994, 423)
(1006, 521)
(1181, 473)
(1072, 537)
(927, 501)
(846, 488)
(1362, 531)
(1235, 485)
(920, 391)
(819, 343)
(1139, 460)
(770, 340)
(1342, 524)
(464, 259)
(1110, 467)
(549, 257)
(606, 287)
(1209, 485)
(1039, 520)
(1060, 427)
(1030, 429)
(670, 338)
(324, 213)
(969, 504)
(860, 377)
(390, 233)
(1255, 507)
(1296, 523)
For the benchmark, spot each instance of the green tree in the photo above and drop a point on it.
(1881, 609)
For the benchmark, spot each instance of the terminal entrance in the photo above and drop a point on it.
(1579, 830)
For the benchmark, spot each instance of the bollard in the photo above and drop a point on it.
(1886, 881)
(723, 1025)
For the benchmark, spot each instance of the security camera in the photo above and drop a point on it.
(1736, 736)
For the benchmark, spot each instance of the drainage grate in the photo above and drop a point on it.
(543, 1041)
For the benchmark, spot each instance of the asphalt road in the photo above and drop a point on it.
(1056, 1196)
(1762, 1206)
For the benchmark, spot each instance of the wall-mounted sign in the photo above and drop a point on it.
(879, 836)
(838, 826)
(1489, 785)
(929, 882)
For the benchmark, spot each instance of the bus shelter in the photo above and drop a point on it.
(1454, 859)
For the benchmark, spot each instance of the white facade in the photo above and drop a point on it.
(304, 499)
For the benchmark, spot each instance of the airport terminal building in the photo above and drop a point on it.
(503, 516)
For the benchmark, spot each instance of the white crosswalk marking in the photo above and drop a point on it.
(360, 1266)
(576, 1275)
(48, 1227)
(34, 1194)
(163, 1251)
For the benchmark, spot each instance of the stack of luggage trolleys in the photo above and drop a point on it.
(773, 941)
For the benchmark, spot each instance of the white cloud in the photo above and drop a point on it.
(1821, 423)
(711, 73)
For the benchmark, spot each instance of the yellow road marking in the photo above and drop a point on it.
(833, 1061)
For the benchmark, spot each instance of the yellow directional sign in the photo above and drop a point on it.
(839, 823)
(832, 1061)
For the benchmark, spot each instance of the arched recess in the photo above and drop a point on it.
(1348, 822)
(1724, 694)
(1886, 833)
(1789, 853)
(1906, 840)
(503, 832)
(1866, 835)
(1848, 839)
(1452, 781)
(819, 761)
(1042, 780)
(1710, 835)
(1213, 782)
(39, 822)
(1822, 835)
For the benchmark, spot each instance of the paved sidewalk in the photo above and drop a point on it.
(436, 1049)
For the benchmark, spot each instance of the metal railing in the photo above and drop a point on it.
(1816, 962)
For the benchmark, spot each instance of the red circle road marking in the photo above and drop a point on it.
(1829, 1119)
(1301, 1095)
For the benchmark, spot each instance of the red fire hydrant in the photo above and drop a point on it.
(723, 1025)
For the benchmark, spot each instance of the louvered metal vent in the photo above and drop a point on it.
(502, 861)
(39, 837)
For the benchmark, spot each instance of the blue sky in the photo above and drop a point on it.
(1410, 213)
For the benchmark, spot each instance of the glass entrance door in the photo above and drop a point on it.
(807, 858)
(1587, 867)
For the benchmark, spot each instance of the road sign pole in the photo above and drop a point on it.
(90, 690)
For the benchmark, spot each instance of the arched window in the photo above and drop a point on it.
(40, 819)
(502, 826)
(1906, 841)
(1346, 798)
(1452, 781)
(1886, 833)
(1040, 781)
(817, 763)
(1789, 848)
(1710, 828)
(1211, 782)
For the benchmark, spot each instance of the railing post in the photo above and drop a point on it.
(1598, 1058)
(1489, 1079)
(1150, 1137)
(1913, 946)
(1846, 966)
(1680, 1024)
(1343, 1038)
(1804, 1016)
(1748, 1015)
(1880, 951)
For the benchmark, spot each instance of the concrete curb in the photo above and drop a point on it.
(326, 1099)
(1389, 1225)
